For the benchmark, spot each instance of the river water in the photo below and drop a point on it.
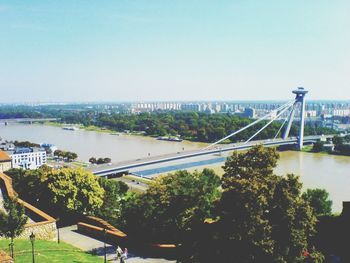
(316, 170)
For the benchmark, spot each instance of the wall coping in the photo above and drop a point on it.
(12, 194)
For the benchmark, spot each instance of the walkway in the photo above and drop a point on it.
(88, 244)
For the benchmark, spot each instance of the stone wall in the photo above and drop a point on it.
(43, 231)
(4, 258)
(44, 226)
(4, 166)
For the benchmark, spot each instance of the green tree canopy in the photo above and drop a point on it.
(318, 146)
(114, 198)
(172, 206)
(75, 190)
(319, 201)
(263, 217)
(13, 219)
(57, 191)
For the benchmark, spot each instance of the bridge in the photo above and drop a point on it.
(27, 120)
(124, 167)
(217, 148)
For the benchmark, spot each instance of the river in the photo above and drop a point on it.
(331, 172)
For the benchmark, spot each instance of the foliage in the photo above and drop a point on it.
(13, 219)
(115, 194)
(337, 140)
(94, 160)
(62, 190)
(197, 126)
(318, 146)
(65, 155)
(31, 184)
(172, 206)
(319, 201)
(75, 190)
(342, 144)
(263, 217)
(25, 144)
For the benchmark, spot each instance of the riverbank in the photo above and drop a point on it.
(97, 129)
(80, 126)
(309, 149)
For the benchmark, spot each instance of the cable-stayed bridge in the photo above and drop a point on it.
(288, 109)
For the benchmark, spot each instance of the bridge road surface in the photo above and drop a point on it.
(126, 166)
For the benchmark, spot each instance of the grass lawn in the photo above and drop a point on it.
(48, 251)
(137, 179)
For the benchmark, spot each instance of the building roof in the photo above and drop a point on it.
(4, 156)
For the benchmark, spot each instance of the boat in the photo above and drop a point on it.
(168, 138)
(70, 128)
(114, 133)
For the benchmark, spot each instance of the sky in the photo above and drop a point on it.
(154, 50)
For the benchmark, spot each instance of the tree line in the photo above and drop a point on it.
(70, 156)
(341, 145)
(248, 215)
(194, 126)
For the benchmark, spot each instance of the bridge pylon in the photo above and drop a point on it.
(299, 99)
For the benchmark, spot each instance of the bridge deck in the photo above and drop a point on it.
(127, 165)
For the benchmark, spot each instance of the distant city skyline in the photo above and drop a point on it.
(156, 50)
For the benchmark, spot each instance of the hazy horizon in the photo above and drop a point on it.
(156, 50)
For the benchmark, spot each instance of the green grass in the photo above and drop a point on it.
(307, 148)
(48, 251)
(137, 179)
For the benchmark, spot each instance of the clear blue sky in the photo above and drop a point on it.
(117, 50)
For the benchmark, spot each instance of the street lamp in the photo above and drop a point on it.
(104, 244)
(32, 239)
(11, 249)
(58, 230)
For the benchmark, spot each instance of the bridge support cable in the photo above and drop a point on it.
(267, 124)
(290, 122)
(288, 104)
(279, 130)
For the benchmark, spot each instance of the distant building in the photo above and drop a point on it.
(49, 148)
(5, 161)
(7, 146)
(190, 107)
(28, 158)
(311, 113)
(341, 112)
(249, 113)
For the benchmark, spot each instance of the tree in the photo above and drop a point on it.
(92, 160)
(262, 216)
(75, 190)
(12, 221)
(107, 160)
(70, 156)
(114, 198)
(100, 161)
(318, 146)
(337, 140)
(172, 206)
(58, 153)
(31, 184)
(319, 201)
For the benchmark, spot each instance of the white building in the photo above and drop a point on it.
(28, 158)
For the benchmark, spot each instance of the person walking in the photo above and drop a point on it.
(119, 253)
(124, 256)
(125, 253)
